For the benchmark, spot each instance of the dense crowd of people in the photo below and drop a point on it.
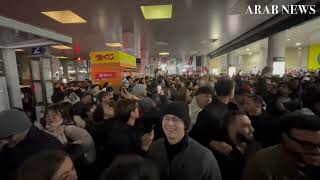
(249, 127)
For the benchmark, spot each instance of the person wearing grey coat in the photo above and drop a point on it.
(178, 156)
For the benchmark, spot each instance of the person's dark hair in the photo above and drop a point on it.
(46, 164)
(128, 77)
(65, 109)
(188, 83)
(80, 109)
(283, 83)
(69, 91)
(109, 89)
(83, 94)
(124, 108)
(230, 118)
(152, 88)
(106, 84)
(224, 86)
(93, 86)
(204, 90)
(101, 95)
(58, 96)
(257, 99)
(181, 95)
(98, 114)
(131, 167)
(299, 121)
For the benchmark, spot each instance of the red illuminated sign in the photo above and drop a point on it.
(105, 75)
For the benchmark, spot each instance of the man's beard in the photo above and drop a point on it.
(241, 138)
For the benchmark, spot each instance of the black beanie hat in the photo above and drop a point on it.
(180, 110)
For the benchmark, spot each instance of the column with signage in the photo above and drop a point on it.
(42, 80)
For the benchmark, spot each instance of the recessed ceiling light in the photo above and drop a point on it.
(161, 43)
(247, 49)
(61, 47)
(289, 39)
(164, 53)
(250, 53)
(157, 11)
(18, 50)
(65, 17)
(62, 57)
(298, 44)
(114, 45)
(208, 41)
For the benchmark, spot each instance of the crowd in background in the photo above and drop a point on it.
(169, 127)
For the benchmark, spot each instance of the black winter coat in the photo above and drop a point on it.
(210, 122)
(35, 141)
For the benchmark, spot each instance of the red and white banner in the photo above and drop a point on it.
(105, 75)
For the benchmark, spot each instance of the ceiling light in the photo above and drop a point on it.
(65, 17)
(18, 50)
(114, 45)
(208, 41)
(62, 57)
(61, 47)
(164, 53)
(289, 39)
(193, 52)
(250, 53)
(298, 44)
(161, 43)
(247, 49)
(157, 11)
(299, 48)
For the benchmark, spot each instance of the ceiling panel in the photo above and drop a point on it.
(193, 21)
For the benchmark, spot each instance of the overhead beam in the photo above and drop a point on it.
(16, 25)
(275, 24)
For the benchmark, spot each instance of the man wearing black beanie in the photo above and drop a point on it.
(178, 152)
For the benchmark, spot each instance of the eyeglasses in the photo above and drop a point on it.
(304, 144)
(173, 118)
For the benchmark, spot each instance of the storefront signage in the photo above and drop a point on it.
(104, 57)
(38, 50)
(105, 75)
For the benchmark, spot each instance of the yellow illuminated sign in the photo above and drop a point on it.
(113, 57)
(314, 57)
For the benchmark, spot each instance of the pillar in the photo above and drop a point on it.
(12, 77)
(276, 52)
(65, 70)
(231, 63)
(76, 69)
(145, 66)
(263, 55)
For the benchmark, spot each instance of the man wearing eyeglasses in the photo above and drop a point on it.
(296, 157)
